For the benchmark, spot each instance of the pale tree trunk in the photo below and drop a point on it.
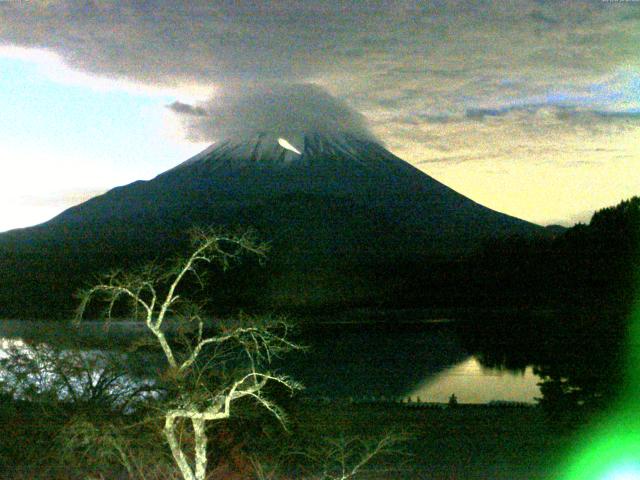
(201, 448)
(200, 458)
(174, 444)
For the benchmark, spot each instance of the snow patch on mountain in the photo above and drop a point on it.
(285, 144)
(271, 149)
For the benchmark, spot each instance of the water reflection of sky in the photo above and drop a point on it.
(428, 364)
(473, 383)
(8, 343)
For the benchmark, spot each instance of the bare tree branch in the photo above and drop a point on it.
(260, 339)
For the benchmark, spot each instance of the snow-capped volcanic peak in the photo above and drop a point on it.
(262, 148)
(277, 149)
(272, 148)
(278, 126)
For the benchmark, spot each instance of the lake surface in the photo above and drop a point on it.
(426, 364)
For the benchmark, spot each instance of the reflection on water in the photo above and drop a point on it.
(9, 343)
(35, 371)
(428, 362)
(470, 382)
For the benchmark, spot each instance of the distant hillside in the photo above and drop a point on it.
(593, 264)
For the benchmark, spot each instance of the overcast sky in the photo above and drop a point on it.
(529, 107)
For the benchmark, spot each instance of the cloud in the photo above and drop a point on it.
(378, 42)
(567, 113)
(507, 86)
(454, 159)
(186, 109)
(520, 133)
(32, 209)
(282, 109)
(60, 199)
(398, 58)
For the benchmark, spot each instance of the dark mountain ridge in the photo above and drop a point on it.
(336, 203)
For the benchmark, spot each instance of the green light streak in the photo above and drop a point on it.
(611, 450)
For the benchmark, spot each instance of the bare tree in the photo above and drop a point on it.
(42, 373)
(202, 393)
(335, 458)
(346, 458)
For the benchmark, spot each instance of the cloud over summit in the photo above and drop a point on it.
(281, 109)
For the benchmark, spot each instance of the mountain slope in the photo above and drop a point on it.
(326, 203)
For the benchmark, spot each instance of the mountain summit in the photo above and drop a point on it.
(270, 149)
(329, 204)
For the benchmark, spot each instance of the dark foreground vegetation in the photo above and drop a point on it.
(465, 442)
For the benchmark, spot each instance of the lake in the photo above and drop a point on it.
(426, 363)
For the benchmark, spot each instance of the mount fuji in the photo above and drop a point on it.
(333, 206)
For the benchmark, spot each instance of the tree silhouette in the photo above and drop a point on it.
(206, 377)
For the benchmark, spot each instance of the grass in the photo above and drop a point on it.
(466, 442)
(463, 442)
